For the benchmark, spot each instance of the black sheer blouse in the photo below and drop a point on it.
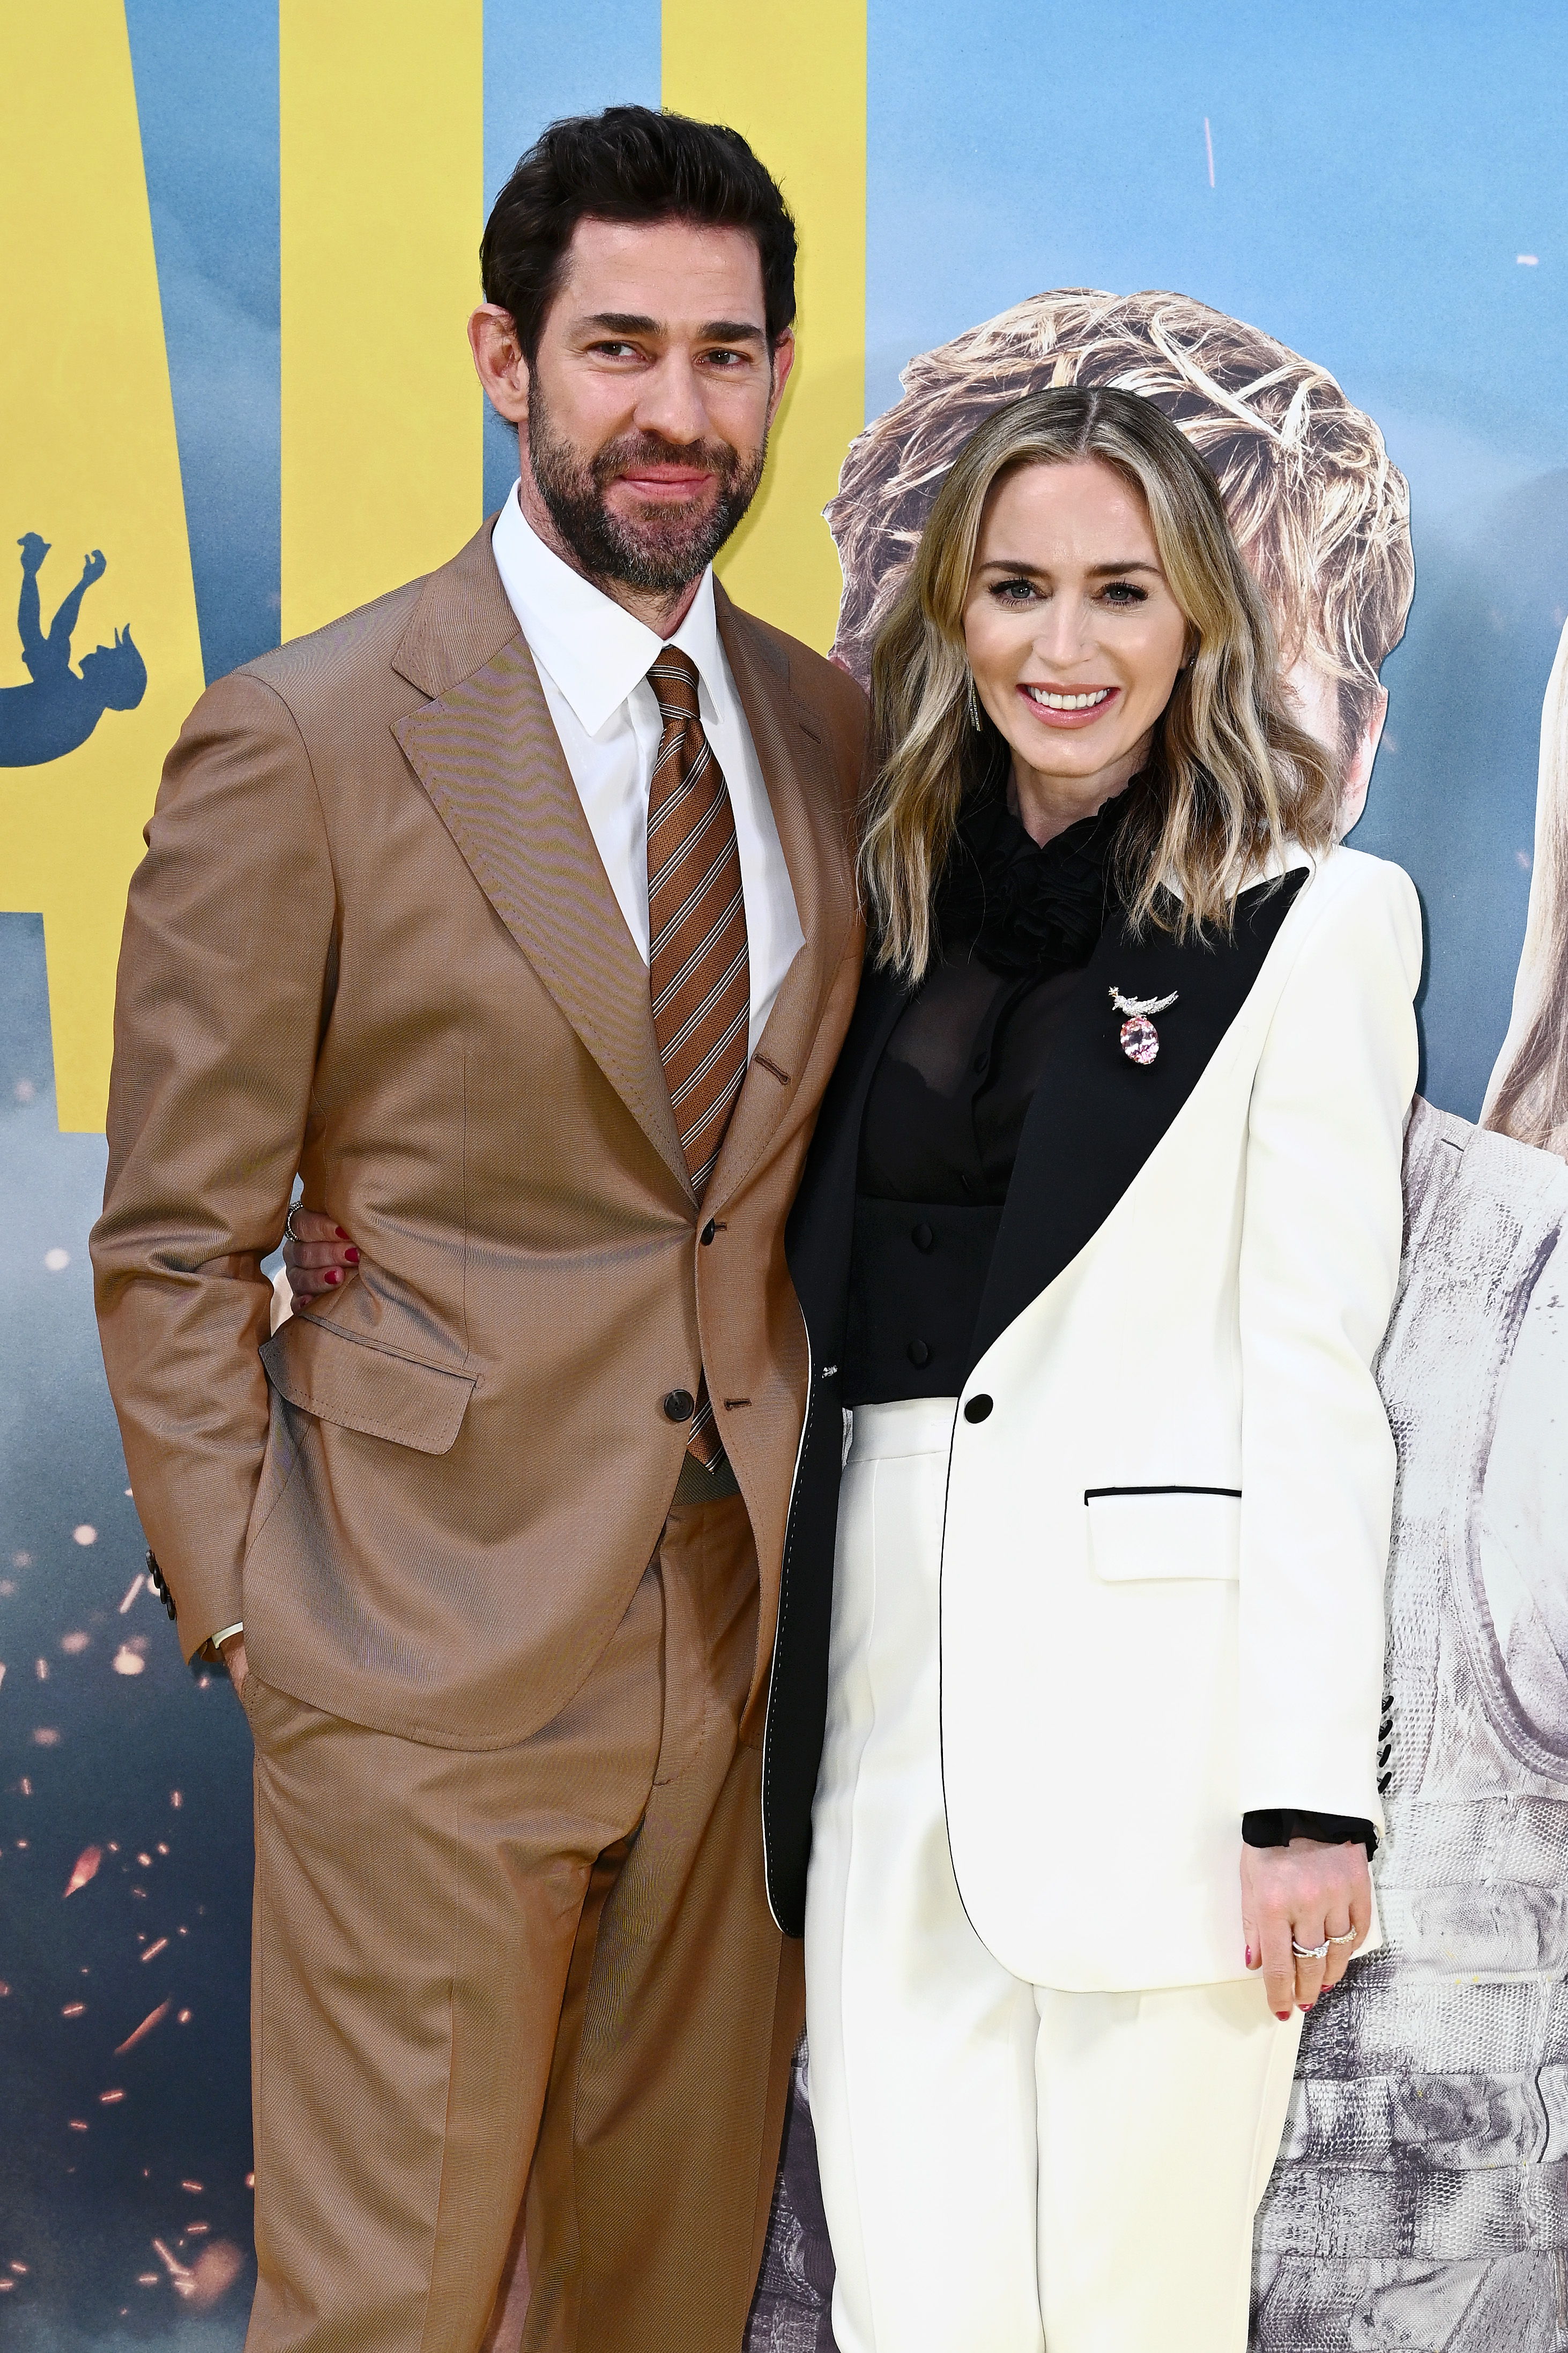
(1016, 924)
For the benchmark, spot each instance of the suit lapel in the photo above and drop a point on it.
(1096, 1116)
(485, 751)
(820, 1233)
(804, 797)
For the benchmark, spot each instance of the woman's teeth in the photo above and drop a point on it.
(1069, 702)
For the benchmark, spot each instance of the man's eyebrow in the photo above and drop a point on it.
(633, 322)
(1041, 571)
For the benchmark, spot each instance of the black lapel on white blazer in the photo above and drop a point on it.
(1096, 1116)
(821, 1226)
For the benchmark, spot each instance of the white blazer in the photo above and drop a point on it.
(1171, 1476)
(1171, 1484)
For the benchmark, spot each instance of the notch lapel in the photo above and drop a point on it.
(804, 795)
(1096, 1116)
(485, 751)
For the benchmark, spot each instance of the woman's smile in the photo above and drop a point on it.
(1069, 706)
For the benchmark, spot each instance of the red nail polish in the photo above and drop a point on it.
(1306, 2005)
(340, 1234)
(1283, 2016)
(352, 1255)
(1250, 1956)
(334, 1274)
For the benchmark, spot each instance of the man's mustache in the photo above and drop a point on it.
(634, 450)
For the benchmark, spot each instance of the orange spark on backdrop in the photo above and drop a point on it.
(151, 1949)
(148, 2023)
(87, 1864)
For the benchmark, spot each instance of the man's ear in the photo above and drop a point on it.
(498, 363)
(1358, 768)
(781, 361)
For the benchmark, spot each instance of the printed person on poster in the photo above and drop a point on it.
(516, 913)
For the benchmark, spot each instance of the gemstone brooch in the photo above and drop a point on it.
(1140, 1038)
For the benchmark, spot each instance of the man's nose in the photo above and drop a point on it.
(670, 401)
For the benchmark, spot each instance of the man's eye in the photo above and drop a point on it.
(728, 361)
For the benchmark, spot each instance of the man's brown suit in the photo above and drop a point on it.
(490, 1660)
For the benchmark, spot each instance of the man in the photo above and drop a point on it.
(516, 913)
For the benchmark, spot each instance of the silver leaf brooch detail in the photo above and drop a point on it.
(1140, 1038)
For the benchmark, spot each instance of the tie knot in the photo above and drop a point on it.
(673, 679)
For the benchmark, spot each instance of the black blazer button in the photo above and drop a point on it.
(708, 1230)
(919, 1355)
(977, 1409)
(679, 1406)
(921, 1236)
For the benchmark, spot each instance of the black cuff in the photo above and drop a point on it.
(1277, 1825)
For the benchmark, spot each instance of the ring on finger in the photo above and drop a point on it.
(1311, 1952)
(1351, 1936)
(289, 1224)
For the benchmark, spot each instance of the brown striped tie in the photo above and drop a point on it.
(699, 970)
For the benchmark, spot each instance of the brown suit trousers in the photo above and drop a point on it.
(586, 1970)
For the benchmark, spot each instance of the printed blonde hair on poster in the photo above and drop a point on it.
(1318, 508)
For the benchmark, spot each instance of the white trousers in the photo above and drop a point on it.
(1006, 2167)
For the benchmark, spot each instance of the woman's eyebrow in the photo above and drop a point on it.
(1041, 571)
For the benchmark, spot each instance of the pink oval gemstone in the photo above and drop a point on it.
(1140, 1038)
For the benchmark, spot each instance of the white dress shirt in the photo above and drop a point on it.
(592, 657)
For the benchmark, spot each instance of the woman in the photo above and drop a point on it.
(1099, 1235)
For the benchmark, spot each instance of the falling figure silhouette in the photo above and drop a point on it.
(62, 706)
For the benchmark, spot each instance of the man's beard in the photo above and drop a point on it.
(660, 550)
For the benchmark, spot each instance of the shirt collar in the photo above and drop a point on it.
(594, 650)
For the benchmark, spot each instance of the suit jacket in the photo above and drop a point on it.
(1171, 1477)
(372, 940)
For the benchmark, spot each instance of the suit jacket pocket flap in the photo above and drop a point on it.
(342, 1379)
(1137, 1532)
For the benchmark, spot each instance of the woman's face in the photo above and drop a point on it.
(1073, 635)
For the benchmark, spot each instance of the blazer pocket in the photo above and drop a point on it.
(1138, 1533)
(340, 1378)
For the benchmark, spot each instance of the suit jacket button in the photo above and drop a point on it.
(977, 1409)
(918, 1353)
(921, 1236)
(679, 1406)
(708, 1230)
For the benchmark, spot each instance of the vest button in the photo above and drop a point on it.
(708, 1230)
(919, 1355)
(977, 1409)
(679, 1406)
(921, 1236)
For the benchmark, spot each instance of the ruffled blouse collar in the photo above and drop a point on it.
(1020, 907)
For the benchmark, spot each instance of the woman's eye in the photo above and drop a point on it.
(1125, 593)
(1014, 592)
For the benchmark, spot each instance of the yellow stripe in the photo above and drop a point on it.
(381, 168)
(92, 462)
(793, 82)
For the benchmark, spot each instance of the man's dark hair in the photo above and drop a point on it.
(629, 164)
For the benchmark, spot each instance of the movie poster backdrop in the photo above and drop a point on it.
(1357, 220)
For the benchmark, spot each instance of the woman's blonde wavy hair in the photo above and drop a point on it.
(1233, 780)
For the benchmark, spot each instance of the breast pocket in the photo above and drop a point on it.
(1140, 1532)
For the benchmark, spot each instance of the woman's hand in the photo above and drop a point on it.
(322, 1256)
(1305, 1894)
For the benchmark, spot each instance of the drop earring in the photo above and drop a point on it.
(972, 699)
